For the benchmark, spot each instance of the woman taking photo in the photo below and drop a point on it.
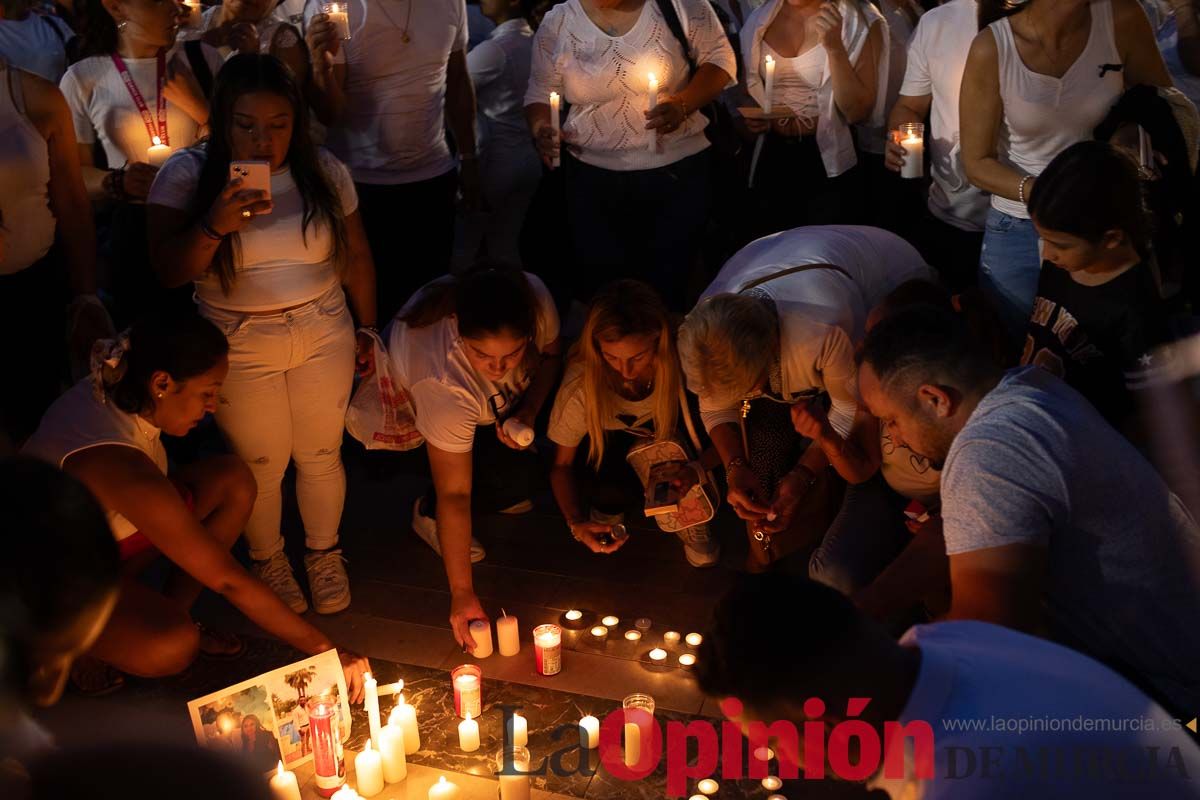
(132, 91)
(269, 271)
(163, 376)
(630, 144)
(477, 354)
(622, 388)
(1037, 81)
(831, 72)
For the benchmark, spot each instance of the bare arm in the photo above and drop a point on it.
(452, 483)
(1139, 50)
(1187, 22)
(93, 176)
(543, 382)
(981, 111)
(564, 485)
(921, 569)
(327, 90)
(180, 249)
(1002, 585)
(857, 457)
(855, 85)
(460, 103)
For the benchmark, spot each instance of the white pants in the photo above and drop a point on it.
(285, 400)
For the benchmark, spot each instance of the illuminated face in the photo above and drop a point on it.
(495, 355)
(1072, 253)
(184, 403)
(262, 128)
(633, 357)
(151, 22)
(905, 419)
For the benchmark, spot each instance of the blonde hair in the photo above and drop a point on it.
(726, 345)
(626, 308)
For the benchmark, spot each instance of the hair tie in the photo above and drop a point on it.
(108, 364)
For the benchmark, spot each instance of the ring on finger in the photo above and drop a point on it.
(246, 214)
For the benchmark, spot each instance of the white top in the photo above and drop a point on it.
(872, 138)
(605, 80)
(907, 473)
(101, 106)
(568, 418)
(210, 18)
(822, 313)
(990, 693)
(24, 180)
(31, 44)
(798, 81)
(278, 264)
(1043, 115)
(499, 69)
(78, 421)
(394, 126)
(833, 132)
(937, 58)
(449, 397)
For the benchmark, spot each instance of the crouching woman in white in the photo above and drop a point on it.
(474, 352)
(622, 388)
(269, 271)
(780, 323)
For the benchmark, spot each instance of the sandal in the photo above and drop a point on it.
(91, 677)
(219, 645)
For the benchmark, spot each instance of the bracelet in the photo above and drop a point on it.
(208, 230)
(1021, 189)
(114, 183)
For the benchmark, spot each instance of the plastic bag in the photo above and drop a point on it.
(381, 414)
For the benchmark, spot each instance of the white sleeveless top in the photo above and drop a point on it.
(24, 180)
(798, 81)
(79, 421)
(1044, 115)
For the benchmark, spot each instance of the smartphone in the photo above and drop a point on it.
(661, 496)
(254, 175)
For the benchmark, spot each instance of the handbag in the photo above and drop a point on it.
(700, 503)
(381, 414)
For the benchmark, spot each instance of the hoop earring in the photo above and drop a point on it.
(160, 394)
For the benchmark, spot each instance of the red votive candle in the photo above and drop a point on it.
(329, 765)
(547, 646)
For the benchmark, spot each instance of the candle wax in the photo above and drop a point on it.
(590, 734)
(368, 770)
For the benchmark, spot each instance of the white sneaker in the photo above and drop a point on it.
(700, 546)
(426, 528)
(276, 572)
(521, 507)
(327, 580)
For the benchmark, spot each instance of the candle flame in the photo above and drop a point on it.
(652, 79)
(442, 779)
(468, 716)
(279, 771)
(156, 141)
(770, 60)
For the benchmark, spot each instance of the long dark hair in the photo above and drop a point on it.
(992, 10)
(181, 345)
(97, 29)
(486, 302)
(253, 72)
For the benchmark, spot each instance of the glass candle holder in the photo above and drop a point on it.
(468, 690)
(339, 15)
(547, 647)
(638, 725)
(329, 762)
(512, 766)
(911, 136)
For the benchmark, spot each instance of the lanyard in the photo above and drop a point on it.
(157, 133)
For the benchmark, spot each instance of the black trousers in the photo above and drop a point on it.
(32, 323)
(791, 188)
(612, 487)
(410, 227)
(953, 252)
(136, 289)
(500, 476)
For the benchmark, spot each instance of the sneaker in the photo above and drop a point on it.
(700, 546)
(276, 572)
(523, 507)
(327, 580)
(426, 528)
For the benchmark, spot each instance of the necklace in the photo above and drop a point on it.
(407, 19)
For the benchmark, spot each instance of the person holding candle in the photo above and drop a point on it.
(831, 71)
(254, 26)
(473, 352)
(1039, 77)
(164, 375)
(132, 86)
(279, 276)
(622, 388)
(653, 165)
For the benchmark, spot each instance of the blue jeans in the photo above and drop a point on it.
(867, 535)
(1008, 269)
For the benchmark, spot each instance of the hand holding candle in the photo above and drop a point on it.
(652, 103)
(158, 153)
(769, 84)
(481, 632)
(339, 15)
(911, 136)
(554, 125)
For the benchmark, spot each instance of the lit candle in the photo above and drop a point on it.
(574, 615)
(554, 123)
(633, 744)
(772, 783)
(658, 655)
(284, 785)
(508, 635)
(694, 639)
(368, 771)
(468, 735)
(481, 632)
(633, 636)
(520, 730)
(912, 139)
(687, 661)
(610, 621)
(514, 786)
(589, 732)
(698, 797)
(346, 793)
(600, 632)
(158, 153)
(769, 81)
(708, 786)
(467, 690)
(340, 17)
(671, 637)
(764, 754)
(776, 797)
(405, 716)
(547, 647)
(391, 750)
(194, 11)
(371, 703)
(642, 624)
(652, 102)
(638, 712)
(444, 790)
(329, 768)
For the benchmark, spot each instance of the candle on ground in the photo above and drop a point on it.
(658, 655)
(652, 103)
(481, 632)
(687, 660)
(764, 754)
(772, 783)
(694, 639)
(329, 767)
(554, 123)
(405, 716)
(589, 732)
(610, 621)
(600, 632)
(368, 769)
(769, 81)
(633, 744)
(468, 735)
(708, 786)
(912, 138)
(467, 692)
(671, 637)
(547, 649)
(508, 635)
(371, 687)
(514, 786)
(777, 797)
(520, 731)
(391, 751)
(574, 615)
(444, 790)
(698, 797)
(284, 785)
(158, 153)
(642, 624)
(345, 793)
(633, 636)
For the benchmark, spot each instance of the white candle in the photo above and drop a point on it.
(694, 639)
(368, 769)
(633, 636)
(284, 785)
(158, 153)
(444, 790)
(658, 655)
(633, 744)
(391, 751)
(520, 731)
(468, 735)
(687, 660)
(610, 621)
(340, 18)
(769, 81)
(776, 797)
(652, 103)
(599, 632)
(516, 787)
(509, 635)
(405, 716)
(671, 637)
(772, 783)
(591, 732)
(574, 615)
(554, 123)
(345, 793)
(372, 705)
(708, 786)
(642, 624)
(912, 139)
(481, 632)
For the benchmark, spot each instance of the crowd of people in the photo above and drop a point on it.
(652, 253)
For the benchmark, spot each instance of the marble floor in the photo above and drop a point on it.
(534, 571)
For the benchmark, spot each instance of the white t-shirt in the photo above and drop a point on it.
(568, 418)
(499, 68)
(907, 473)
(79, 421)
(102, 108)
(31, 44)
(210, 18)
(937, 57)
(279, 264)
(394, 127)
(1047, 721)
(449, 397)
